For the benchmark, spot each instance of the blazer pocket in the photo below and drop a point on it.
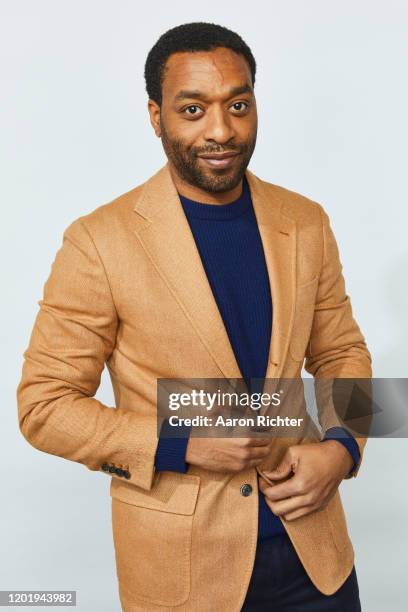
(152, 533)
(303, 318)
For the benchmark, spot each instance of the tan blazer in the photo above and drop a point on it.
(127, 288)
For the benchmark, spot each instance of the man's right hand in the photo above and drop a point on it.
(227, 454)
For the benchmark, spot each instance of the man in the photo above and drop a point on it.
(176, 279)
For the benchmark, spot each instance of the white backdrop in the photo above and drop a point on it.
(332, 97)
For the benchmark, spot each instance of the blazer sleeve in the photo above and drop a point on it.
(337, 348)
(73, 336)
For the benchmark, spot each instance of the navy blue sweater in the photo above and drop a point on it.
(230, 247)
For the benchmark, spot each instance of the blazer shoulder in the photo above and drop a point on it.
(110, 216)
(300, 208)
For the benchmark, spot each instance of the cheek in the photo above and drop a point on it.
(183, 134)
(189, 132)
(245, 131)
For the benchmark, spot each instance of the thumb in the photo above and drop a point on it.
(283, 469)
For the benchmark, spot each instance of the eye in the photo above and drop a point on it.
(240, 107)
(193, 110)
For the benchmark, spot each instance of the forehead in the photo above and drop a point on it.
(213, 71)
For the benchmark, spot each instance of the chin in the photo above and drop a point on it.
(220, 181)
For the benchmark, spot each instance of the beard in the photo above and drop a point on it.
(187, 164)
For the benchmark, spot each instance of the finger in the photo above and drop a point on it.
(255, 462)
(254, 441)
(289, 505)
(282, 490)
(282, 493)
(281, 471)
(298, 513)
(263, 484)
(256, 452)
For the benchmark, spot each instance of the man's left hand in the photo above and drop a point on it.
(311, 474)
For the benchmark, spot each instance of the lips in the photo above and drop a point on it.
(219, 160)
(223, 155)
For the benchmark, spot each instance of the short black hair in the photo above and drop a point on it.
(196, 36)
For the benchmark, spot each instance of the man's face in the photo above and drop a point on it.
(208, 119)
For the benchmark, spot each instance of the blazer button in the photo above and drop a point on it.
(105, 467)
(119, 472)
(246, 489)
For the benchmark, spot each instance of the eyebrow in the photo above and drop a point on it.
(195, 93)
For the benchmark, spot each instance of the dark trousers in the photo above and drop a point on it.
(279, 583)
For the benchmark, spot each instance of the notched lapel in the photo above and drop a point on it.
(278, 235)
(167, 239)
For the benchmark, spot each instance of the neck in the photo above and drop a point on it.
(200, 195)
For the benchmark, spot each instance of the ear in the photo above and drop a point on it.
(154, 112)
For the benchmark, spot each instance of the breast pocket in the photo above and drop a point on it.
(303, 318)
(152, 536)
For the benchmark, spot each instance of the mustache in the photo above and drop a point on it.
(236, 149)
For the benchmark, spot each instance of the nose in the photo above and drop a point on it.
(218, 126)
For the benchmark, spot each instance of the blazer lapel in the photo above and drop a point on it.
(278, 235)
(167, 239)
